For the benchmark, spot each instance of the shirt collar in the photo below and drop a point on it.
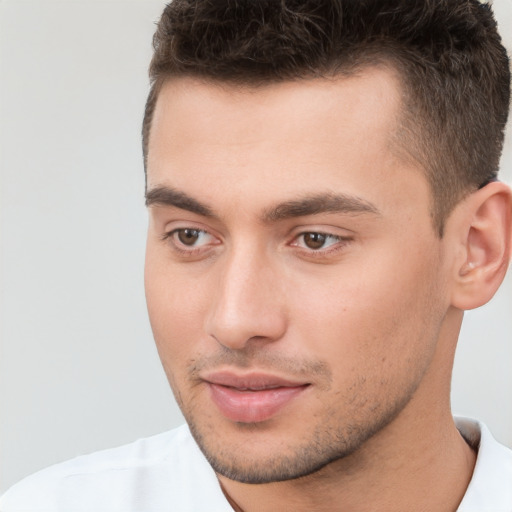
(490, 489)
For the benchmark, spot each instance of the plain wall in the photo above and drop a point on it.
(78, 369)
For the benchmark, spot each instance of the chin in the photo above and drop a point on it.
(265, 456)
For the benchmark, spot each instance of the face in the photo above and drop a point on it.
(294, 280)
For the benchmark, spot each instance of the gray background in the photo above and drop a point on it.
(78, 370)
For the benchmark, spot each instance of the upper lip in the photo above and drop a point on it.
(250, 381)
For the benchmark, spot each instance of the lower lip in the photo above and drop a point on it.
(252, 406)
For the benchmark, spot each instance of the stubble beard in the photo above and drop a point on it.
(341, 429)
(324, 445)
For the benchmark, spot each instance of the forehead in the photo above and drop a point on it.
(331, 134)
(370, 98)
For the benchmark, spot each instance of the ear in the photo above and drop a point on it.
(486, 240)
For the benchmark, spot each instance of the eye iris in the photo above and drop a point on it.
(188, 236)
(314, 240)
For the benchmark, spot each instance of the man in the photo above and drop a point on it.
(323, 204)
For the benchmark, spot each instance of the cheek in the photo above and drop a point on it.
(176, 307)
(377, 317)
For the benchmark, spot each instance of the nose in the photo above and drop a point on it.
(247, 306)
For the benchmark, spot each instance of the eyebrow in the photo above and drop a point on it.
(320, 203)
(165, 196)
(308, 205)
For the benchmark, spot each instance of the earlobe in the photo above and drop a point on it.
(487, 239)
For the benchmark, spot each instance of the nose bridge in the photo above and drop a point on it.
(246, 304)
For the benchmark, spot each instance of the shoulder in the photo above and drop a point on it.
(140, 475)
(491, 484)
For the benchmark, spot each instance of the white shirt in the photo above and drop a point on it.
(168, 473)
(490, 489)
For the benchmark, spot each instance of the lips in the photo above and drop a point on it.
(251, 398)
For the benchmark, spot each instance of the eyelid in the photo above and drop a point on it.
(172, 232)
(322, 229)
(170, 237)
(184, 223)
(323, 233)
(342, 240)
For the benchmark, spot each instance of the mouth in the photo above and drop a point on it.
(251, 398)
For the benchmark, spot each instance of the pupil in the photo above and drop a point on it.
(314, 240)
(188, 236)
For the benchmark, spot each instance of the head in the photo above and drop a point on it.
(322, 209)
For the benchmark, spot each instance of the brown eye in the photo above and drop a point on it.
(188, 236)
(314, 240)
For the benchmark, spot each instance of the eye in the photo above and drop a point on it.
(188, 239)
(188, 236)
(316, 241)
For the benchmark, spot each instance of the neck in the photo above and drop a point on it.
(431, 474)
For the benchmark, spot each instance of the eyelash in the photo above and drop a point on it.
(188, 252)
(339, 244)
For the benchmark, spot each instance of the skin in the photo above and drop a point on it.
(369, 320)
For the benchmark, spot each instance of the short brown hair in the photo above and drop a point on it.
(454, 68)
